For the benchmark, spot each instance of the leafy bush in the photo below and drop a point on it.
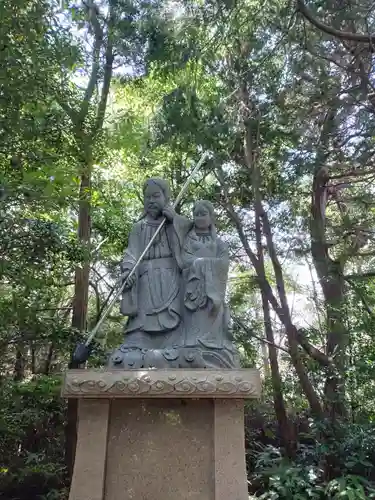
(282, 480)
(333, 463)
(349, 488)
(32, 440)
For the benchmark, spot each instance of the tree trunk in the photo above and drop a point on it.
(19, 365)
(266, 361)
(33, 360)
(80, 302)
(82, 272)
(282, 309)
(287, 435)
(48, 361)
(337, 342)
(331, 279)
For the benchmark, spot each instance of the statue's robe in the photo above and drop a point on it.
(204, 260)
(153, 304)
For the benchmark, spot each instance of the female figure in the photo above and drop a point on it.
(204, 260)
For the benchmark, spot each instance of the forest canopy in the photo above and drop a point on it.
(98, 95)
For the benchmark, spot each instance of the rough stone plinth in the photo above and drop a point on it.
(160, 434)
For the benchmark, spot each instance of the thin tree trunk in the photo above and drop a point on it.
(288, 438)
(19, 365)
(266, 361)
(82, 272)
(33, 360)
(80, 303)
(48, 361)
(283, 309)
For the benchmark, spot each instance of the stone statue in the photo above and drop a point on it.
(174, 302)
(204, 260)
(151, 300)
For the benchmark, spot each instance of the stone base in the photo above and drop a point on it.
(199, 356)
(184, 442)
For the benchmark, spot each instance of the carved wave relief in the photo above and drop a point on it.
(162, 383)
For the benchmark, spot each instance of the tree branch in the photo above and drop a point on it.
(101, 278)
(370, 274)
(342, 35)
(252, 334)
(92, 13)
(368, 253)
(104, 305)
(312, 351)
(352, 173)
(108, 69)
(69, 111)
(97, 297)
(263, 283)
(362, 298)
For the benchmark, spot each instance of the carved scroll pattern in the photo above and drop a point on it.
(162, 383)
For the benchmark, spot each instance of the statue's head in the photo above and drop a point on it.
(204, 215)
(156, 194)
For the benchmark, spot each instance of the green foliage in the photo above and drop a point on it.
(350, 488)
(330, 463)
(31, 439)
(288, 481)
(179, 74)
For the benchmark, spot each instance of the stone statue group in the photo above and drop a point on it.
(175, 301)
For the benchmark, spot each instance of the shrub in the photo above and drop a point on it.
(336, 463)
(31, 440)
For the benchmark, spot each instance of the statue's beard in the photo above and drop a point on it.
(154, 211)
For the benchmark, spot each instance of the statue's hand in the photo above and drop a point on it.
(169, 213)
(129, 282)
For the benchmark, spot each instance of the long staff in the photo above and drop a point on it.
(82, 351)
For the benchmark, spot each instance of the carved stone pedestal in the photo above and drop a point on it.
(160, 434)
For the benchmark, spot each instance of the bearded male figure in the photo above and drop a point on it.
(151, 299)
